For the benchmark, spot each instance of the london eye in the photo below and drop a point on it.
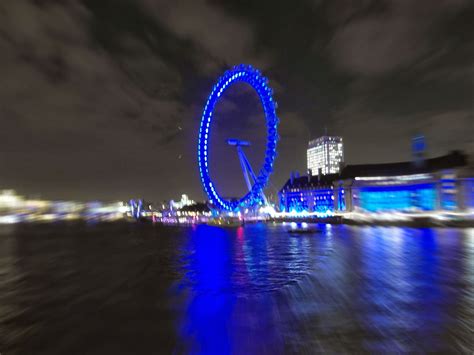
(256, 181)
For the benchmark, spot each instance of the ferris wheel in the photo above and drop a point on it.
(255, 182)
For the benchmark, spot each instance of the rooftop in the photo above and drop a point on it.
(455, 159)
(311, 181)
(324, 139)
(452, 160)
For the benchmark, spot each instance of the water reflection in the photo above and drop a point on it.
(226, 271)
(122, 289)
(259, 289)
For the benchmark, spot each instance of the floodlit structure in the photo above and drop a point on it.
(439, 184)
(325, 154)
(185, 201)
(251, 76)
(247, 170)
(435, 184)
(311, 194)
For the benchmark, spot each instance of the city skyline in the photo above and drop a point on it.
(98, 107)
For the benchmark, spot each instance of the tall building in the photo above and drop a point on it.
(325, 153)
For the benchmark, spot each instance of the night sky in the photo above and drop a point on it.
(101, 99)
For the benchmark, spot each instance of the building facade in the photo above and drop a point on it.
(313, 194)
(185, 201)
(435, 184)
(444, 183)
(325, 154)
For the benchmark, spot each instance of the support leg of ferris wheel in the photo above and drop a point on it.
(247, 168)
(254, 178)
(243, 164)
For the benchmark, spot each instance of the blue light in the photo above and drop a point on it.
(319, 201)
(136, 208)
(398, 198)
(251, 76)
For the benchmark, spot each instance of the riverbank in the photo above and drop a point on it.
(397, 220)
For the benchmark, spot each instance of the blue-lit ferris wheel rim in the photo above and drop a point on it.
(253, 77)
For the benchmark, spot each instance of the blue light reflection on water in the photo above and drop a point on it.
(258, 289)
(134, 288)
(226, 269)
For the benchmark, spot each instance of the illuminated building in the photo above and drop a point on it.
(404, 186)
(439, 184)
(185, 201)
(311, 194)
(325, 153)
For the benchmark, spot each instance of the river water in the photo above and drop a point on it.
(140, 289)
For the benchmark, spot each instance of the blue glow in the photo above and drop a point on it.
(341, 203)
(469, 193)
(320, 201)
(251, 76)
(448, 194)
(398, 198)
(136, 208)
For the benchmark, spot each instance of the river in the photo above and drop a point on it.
(124, 288)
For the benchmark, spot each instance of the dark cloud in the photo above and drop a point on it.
(102, 99)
